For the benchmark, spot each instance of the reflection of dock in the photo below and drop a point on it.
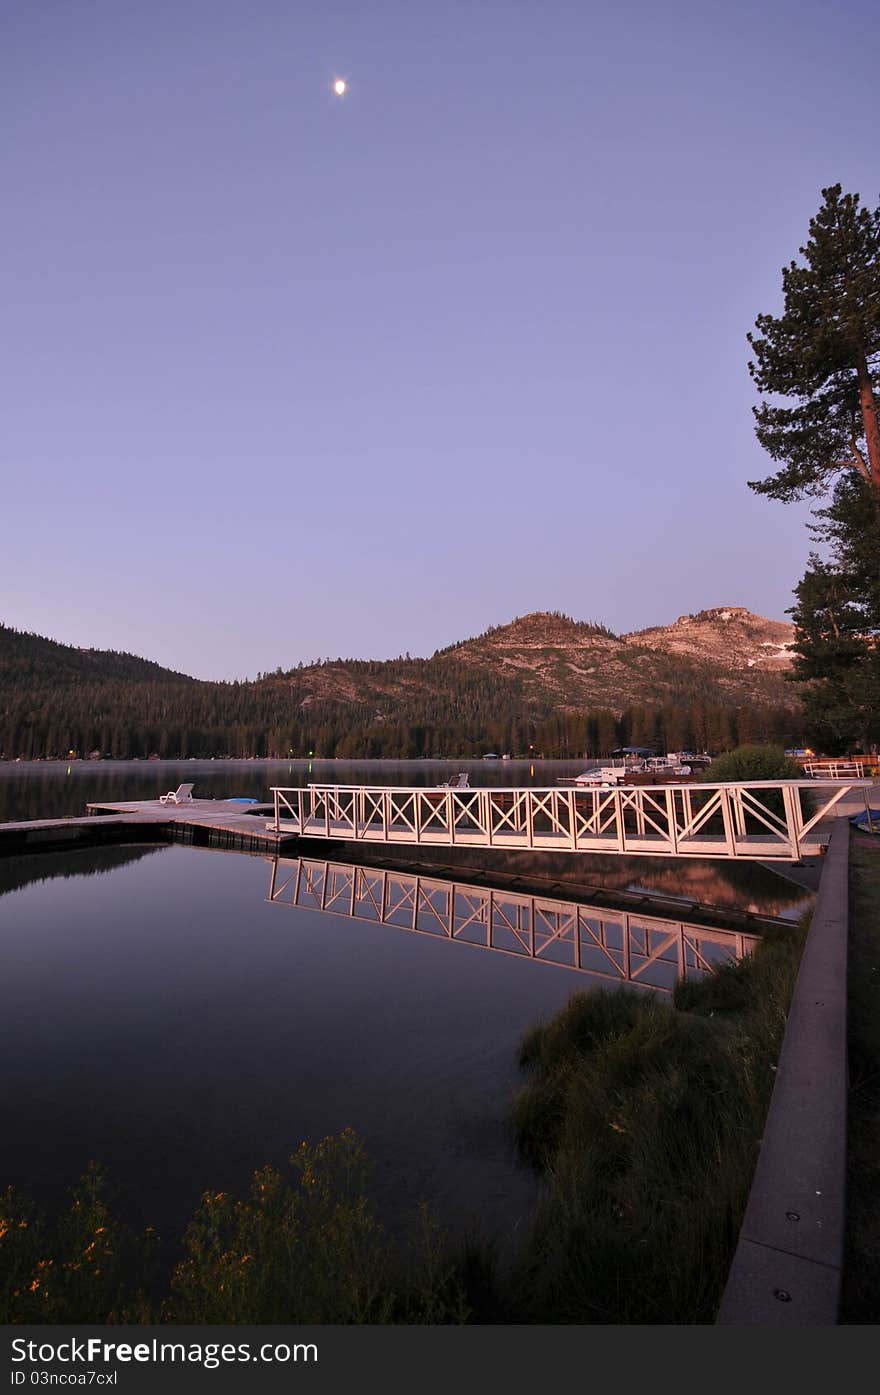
(622, 945)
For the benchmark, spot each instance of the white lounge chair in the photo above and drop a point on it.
(458, 782)
(182, 795)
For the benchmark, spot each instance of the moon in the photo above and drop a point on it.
(340, 87)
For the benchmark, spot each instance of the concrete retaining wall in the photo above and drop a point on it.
(788, 1262)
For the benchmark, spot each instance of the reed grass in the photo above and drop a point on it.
(644, 1117)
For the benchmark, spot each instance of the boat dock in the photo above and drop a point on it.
(782, 821)
(222, 823)
(762, 820)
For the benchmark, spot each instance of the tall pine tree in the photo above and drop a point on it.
(837, 619)
(823, 355)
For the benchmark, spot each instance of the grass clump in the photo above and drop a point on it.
(644, 1118)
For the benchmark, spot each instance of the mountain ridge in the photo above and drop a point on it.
(705, 679)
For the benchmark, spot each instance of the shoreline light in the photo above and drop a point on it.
(340, 87)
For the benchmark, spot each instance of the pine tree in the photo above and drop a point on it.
(837, 619)
(823, 354)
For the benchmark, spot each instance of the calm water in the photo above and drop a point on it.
(162, 1016)
(54, 789)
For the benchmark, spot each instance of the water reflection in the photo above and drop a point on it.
(18, 872)
(625, 946)
(731, 889)
(56, 789)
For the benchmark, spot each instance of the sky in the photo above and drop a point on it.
(285, 376)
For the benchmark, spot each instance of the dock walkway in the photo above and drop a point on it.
(219, 822)
(764, 820)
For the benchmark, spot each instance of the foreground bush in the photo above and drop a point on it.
(644, 1117)
(307, 1248)
(752, 763)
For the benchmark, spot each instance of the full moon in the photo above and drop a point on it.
(339, 87)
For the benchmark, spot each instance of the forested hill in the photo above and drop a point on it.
(28, 658)
(543, 684)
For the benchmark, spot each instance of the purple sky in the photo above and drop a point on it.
(284, 376)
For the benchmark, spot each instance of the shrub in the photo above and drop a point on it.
(644, 1118)
(752, 763)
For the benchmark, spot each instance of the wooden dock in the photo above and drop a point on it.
(207, 822)
(210, 822)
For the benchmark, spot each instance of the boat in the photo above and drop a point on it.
(601, 775)
(638, 761)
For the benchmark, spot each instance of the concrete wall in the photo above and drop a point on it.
(788, 1262)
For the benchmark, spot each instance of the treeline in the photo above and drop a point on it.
(244, 721)
(56, 701)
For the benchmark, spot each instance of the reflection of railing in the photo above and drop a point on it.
(623, 945)
(767, 819)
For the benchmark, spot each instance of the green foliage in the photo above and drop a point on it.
(822, 354)
(644, 1118)
(310, 1251)
(87, 1269)
(54, 699)
(752, 762)
(586, 1021)
(837, 620)
(305, 1248)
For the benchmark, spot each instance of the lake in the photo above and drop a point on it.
(162, 1017)
(165, 1017)
(56, 789)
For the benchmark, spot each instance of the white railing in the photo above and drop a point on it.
(624, 945)
(768, 819)
(839, 769)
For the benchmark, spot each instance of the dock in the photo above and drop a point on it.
(222, 823)
(769, 821)
(762, 820)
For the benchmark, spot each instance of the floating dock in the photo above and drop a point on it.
(222, 823)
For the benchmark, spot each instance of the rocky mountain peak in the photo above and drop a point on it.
(728, 635)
